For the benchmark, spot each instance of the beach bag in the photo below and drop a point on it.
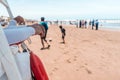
(37, 68)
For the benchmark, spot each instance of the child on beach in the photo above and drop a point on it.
(63, 33)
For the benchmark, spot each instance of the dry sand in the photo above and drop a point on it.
(87, 54)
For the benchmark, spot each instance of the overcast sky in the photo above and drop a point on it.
(64, 9)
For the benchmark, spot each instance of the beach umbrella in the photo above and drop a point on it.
(7, 60)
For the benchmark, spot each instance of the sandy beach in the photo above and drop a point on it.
(87, 55)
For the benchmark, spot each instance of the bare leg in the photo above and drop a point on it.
(42, 43)
(63, 38)
(47, 43)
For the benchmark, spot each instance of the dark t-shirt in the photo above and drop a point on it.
(63, 31)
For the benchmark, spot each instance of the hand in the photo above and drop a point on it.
(39, 29)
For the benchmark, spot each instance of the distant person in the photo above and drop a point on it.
(43, 39)
(63, 33)
(89, 23)
(77, 23)
(96, 24)
(70, 22)
(93, 23)
(57, 22)
(85, 24)
(80, 23)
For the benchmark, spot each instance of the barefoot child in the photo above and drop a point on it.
(63, 33)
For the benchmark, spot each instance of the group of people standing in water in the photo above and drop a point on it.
(84, 24)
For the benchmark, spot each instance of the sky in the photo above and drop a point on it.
(64, 9)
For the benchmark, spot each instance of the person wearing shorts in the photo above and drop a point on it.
(43, 39)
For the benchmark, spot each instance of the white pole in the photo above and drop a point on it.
(5, 3)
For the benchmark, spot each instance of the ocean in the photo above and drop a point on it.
(109, 24)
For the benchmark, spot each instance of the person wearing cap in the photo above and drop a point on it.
(43, 39)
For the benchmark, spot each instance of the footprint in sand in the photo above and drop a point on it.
(55, 69)
(86, 41)
(86, 64)
(68, 61)
(55, 60)
(109, 40)
(94, 43)
(74, 48)
(102, 57)
(66, 52)
(77, 69)
(51, 73)
(82, 66)
(75, 58)
(88, 71)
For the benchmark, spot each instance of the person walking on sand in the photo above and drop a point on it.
(85, 24)
(96, 24)
(63, 33)
(93, 24)
(80, 23)
(43, 39)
